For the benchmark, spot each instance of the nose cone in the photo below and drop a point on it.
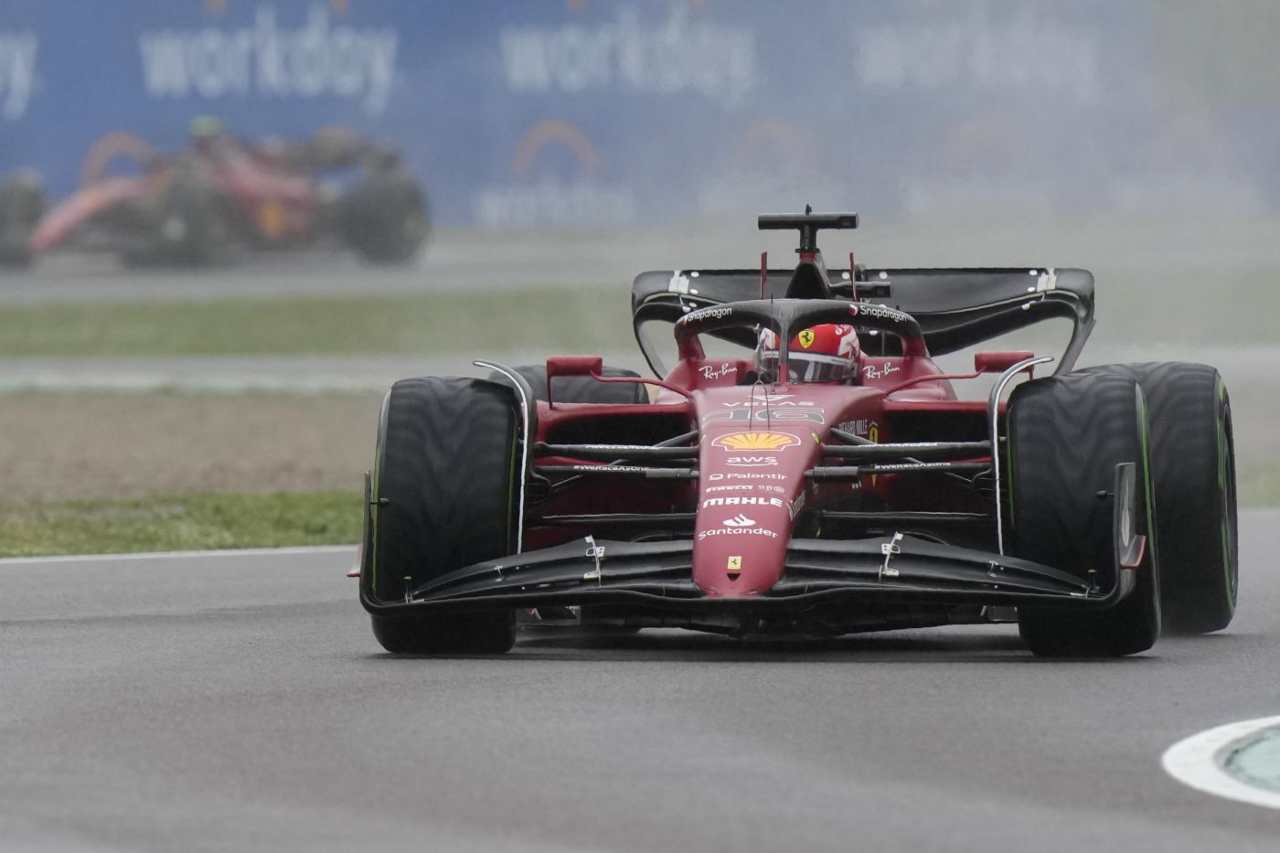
(751, 480)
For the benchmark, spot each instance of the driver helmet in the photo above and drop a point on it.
(828, 352)
(205, 131)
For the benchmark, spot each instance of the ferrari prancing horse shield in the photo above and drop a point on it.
(806, 338)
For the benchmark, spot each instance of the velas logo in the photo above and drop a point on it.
(745, 415)
(806, 338)
(757, 440)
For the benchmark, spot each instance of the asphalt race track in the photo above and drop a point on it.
(240, 703)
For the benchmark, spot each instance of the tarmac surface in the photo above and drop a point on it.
(239, 702)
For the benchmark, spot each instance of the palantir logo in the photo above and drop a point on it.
(17, 72)
(265, 59)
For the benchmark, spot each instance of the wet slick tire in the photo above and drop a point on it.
(1193, 472)
(384, 218)
(190, 227)
(22, 204)
(445, 489)
(1067, 434)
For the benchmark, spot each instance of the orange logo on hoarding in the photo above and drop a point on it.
(757, 440)
(271, 219)
(559, 132)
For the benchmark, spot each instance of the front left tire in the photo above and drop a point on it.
(1193, 472)
(443, 496)
(1067, 434)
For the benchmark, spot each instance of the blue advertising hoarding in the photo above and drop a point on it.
(583, 112)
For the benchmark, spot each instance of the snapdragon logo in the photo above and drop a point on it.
(17, 72)
(268, 60)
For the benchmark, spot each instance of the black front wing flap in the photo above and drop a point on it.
(882, 570)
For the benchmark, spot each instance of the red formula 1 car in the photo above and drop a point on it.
(827, 479)
(221, 195)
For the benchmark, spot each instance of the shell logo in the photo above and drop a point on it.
(756, 440)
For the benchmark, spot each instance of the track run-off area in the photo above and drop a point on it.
(237, 701)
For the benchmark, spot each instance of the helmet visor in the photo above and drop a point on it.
(805, 367)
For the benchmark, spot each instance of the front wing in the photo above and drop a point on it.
(885, 570)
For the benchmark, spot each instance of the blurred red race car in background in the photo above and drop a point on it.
(221, 195)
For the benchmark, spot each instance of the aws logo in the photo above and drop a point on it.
(756, 440)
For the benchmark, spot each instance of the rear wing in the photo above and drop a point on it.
(956, 308)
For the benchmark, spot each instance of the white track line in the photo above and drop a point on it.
(1195, 761)
(180, 555)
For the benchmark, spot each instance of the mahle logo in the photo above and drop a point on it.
(757, 440)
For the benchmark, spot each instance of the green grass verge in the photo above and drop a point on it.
(202, 522)
(589, 319)
(180, 523)
(542, 319)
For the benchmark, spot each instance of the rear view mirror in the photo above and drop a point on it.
(998, 362)
(574, 365)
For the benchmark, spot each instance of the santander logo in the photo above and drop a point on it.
(739, 520)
